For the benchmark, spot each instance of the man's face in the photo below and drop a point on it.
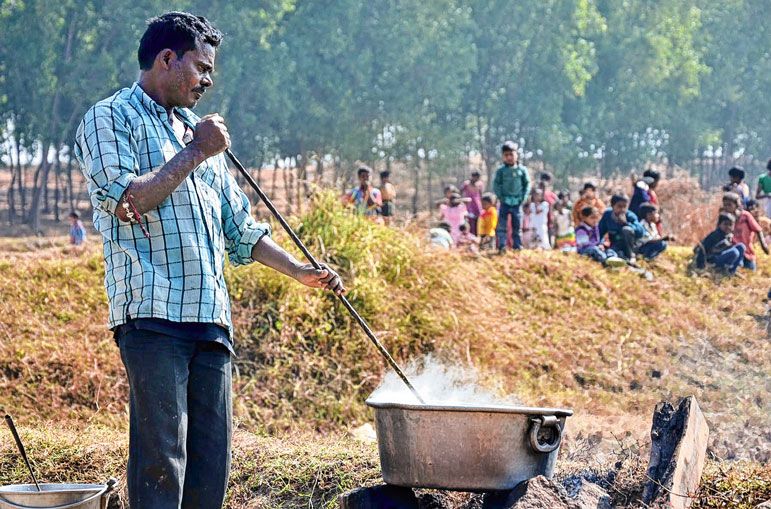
(726, 227)
(510, 157)
(190, 76)
(589, 193)
(363, 178)
(619, 209)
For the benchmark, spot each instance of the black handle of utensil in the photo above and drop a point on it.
(9, 420)
(299, 243)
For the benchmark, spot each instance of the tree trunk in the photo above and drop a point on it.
(57, 180)
(22, 187)
(70, 189)
(429, 186)
(273, 180)
(11, 200)
(319, 171)
(38, 190)
(416, 183)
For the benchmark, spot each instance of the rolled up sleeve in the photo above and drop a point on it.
(241, 231)
(104, 148)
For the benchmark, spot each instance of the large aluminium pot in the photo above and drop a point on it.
(56, 496)
(466, 448)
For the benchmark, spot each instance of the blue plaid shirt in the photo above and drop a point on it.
(176, 274)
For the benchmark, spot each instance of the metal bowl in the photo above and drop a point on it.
(466, 448)
(58, 496)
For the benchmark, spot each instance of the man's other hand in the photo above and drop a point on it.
(325, 278)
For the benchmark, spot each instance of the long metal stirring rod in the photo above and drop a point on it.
(317, 266)
(9, 420)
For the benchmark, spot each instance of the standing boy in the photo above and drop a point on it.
(366, 198)
(764, 189)
(388, 194)
(511, 185)
(488, 221)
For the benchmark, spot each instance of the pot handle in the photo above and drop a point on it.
(111, 484)
(545, 421)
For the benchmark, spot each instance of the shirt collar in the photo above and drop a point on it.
(139, 95)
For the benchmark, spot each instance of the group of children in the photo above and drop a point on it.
(615, 236)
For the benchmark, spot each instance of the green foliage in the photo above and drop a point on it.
(580, 83)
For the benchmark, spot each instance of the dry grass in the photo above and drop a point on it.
(555, 328)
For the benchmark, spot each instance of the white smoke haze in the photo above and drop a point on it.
(439, 383)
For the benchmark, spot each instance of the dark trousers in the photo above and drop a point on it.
(180, 418)
(515, 211)
(731, 258)
(625, 245)
(597, 254)
(652, 249)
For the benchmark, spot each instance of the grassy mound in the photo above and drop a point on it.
(556, 329)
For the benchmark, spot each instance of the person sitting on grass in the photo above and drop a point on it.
(652, 242)
(745, 229)
(440, 236)
(622, 227)
(589, 242)
(718, 248)
(77, 230)
(488, 220)
(588, 199)
(467, 241)
(454, 213)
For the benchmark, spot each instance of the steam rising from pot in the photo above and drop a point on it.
(439, 384)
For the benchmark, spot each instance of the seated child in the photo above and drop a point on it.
(467, 241)
(488, 221)
(565, 235)
(440, 236)
(622, 227)
(652, 243)
(588, 240)
(718, 248)
(745, 229)
(454, 213)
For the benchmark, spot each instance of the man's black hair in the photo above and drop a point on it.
(385, 174)
(751, 204)
(178, 31)
(476, 173)
(74, 214)
(509, 146)
(489, 197)
(545, 177)
(736, 172)
(768, 165)
(652, 174)
(463, 227)
(588, 211)
(616, 198)
(725, 216)
(647, 208)
(445, 226)
(364, 169)
(589, 185)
